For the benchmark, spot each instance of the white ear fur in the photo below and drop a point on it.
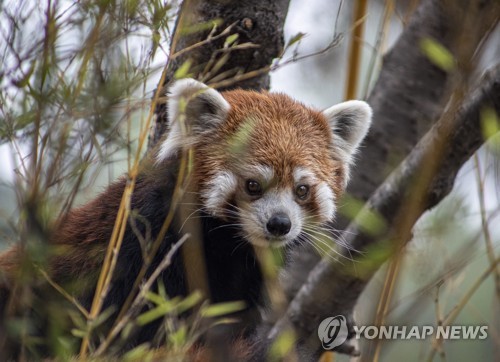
(193, 109)
(350, 122)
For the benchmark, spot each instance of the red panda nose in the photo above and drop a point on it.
(279, 224)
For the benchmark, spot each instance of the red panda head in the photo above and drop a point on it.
(271, 163)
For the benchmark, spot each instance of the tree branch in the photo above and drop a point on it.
(332, 288)
(411, 92)
(409, 95)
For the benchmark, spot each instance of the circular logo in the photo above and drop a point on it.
(332, 332)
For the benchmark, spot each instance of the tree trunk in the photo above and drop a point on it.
(411, 91)
(259, 22)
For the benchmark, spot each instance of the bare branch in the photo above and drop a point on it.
(411, 92)
(140, 298)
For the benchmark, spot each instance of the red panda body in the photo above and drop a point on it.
(266, 171)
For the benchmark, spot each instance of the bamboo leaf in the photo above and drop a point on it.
(295, 38)
(183, 71)
(438, 54)
(219, 309)
(230, 40)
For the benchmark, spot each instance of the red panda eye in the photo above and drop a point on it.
(302, 191)
(253, 188)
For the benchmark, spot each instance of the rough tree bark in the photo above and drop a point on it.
(411, 91)
(259, 22)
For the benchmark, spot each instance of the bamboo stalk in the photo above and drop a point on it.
(355, 49)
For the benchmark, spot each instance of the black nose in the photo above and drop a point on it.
(279, 224)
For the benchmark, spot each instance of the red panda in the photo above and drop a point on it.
(266, 171)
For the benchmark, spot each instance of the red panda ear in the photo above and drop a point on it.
(193, 109)
(350, 122)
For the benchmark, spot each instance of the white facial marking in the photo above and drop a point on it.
(324, 195)
(325, 199)
(219, 192)
(261, 172)
(302, 174)
(255, 216)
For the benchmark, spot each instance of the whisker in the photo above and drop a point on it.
(303, 240)
(225, 225)
(329, 248)
(337, 235)
(337, 240)
(192, 217)
(306, 240)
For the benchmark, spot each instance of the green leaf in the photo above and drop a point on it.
(278, 256)
(368, 220)
(175, 305)
(78, 333)
(490, 123)
(155, 42)
(219, 309)
(438, 54)
(294, 39)
(282, 346)
(371, 222)
(101, 318)
(23, 82)
(238, 143)
(230, 40)
(189, 302)
(156, 298)
(373, 257)
(224, 321)
(129, 327)
(183, 71)
(195, 28)
(131, 7)
(179, 337)
(153, 314)
(139, 353)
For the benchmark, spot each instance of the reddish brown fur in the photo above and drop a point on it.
(240, 350)
(73, 248)
(285, 134)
